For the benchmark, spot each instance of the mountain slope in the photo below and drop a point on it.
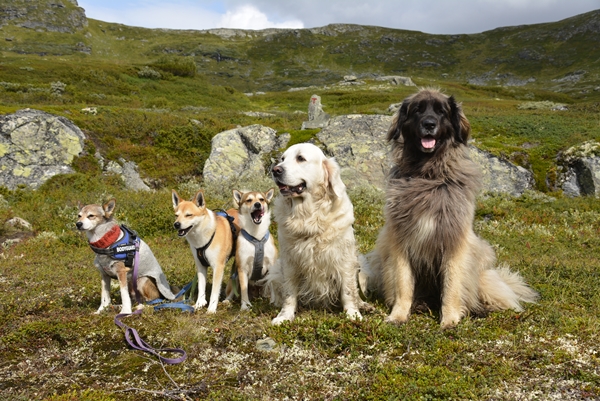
(561, 56)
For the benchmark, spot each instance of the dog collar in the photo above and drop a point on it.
(107, 239)
(259, 253)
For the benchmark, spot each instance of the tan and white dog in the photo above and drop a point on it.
(112, 243)
(318, 260)
(211, 241)
(255, 251)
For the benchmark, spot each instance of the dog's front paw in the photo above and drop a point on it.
(126, 310)
(450, 321)
(282, 317)
(395, 319)
(353, 314)
(200, 303)
(278, 320)
(400, 313)
(101, 309)
(246, 306)
(212, 308)
(451, 315)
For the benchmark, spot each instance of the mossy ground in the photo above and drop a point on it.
(53, 347)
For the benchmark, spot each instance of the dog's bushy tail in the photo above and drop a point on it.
(501, 289)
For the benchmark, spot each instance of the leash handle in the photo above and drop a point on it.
(135, 341)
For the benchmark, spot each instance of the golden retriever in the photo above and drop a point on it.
(318, 261)
(427, 250)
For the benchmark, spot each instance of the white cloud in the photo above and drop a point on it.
(184, 15)
(250, 17)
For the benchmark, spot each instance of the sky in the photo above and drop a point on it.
(430, 16)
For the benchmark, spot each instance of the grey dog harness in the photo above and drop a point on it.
(259, 254)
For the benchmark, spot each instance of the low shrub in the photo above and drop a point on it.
(178, 66)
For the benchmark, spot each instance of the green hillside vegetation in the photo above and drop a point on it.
(162, 95)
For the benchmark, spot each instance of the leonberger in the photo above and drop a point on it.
(427, 252)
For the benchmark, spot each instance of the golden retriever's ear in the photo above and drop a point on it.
(237, 198)
(109, 208)
(460, 124)
(333, 178)
(176, 198)
(400, 117)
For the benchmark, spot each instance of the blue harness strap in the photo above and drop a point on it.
(259, 254)
(124, 249)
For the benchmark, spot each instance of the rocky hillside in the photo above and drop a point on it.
(43, 15)
(560, 56)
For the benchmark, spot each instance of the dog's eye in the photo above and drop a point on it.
(90, 216)
(300, 159)
(188, 215)
(248, 200)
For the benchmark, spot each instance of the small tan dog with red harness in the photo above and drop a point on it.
(255, 251)
(211, 236)
(115, 247)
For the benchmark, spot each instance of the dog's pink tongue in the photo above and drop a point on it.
(428, 143)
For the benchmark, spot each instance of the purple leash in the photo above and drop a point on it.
(131, 335)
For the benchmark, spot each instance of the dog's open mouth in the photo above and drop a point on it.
(257, 215)
(287, 190)
(183, 232)
(428, 143)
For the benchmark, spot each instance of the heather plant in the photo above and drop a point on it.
(147, 72)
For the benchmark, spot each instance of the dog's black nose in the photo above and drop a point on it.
(257, 205)
(429, 124)
(277, 170)
(177, 225)
(79, 224)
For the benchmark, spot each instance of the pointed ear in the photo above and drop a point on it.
(79, 205)
(460, 124)
(199, 199)
(395, 131)
(237, 198)
(332, 175)
(109, 208)
(269, 194)
(176, 198)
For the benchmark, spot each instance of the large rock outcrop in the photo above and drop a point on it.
(578, 170)
(35, 146)
(358, 144)
(240, 153)
(55, 16)
(501, 176)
